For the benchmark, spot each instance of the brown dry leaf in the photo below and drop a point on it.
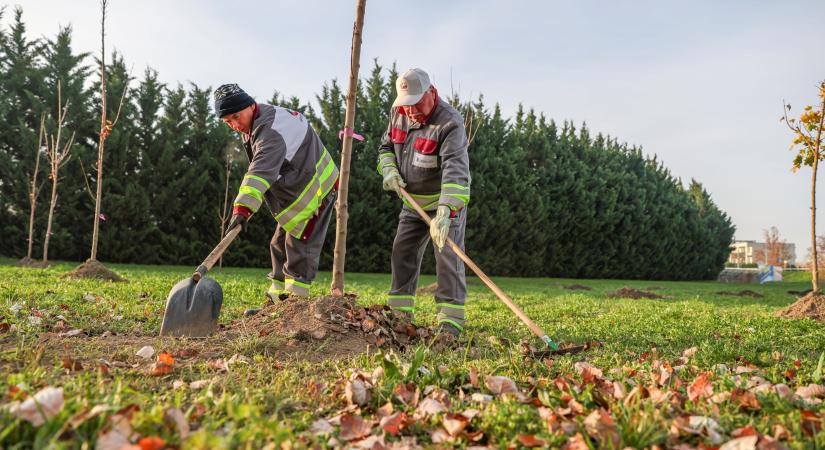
(175, 418)
(600, 426)
(393, 424)
(118, 436)
(811, 391)
(701, 387)
(71, 364)
(688, 353)
(385, 410)
(742, 443)
(440, 436)
(42, 406)
(146, 352)
(429, 407)
(500, 385)
(354, 427)
(474, 377)
(748, 430)
(530, 440)
(587, 370)
(455, 423)
(745, 399)
(321, 427)
(576, 442)
(810, 422)
(357, 392)
(163, 365)
(780, 432)
(407, 394)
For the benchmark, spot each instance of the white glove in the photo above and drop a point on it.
(393, 181)
(440, 226)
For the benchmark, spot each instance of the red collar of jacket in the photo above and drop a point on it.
(256, 112)
(426, 119)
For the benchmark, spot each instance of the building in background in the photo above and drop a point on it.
(752, 252)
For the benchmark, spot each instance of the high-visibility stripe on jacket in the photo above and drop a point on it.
(289, 168)
(431, 157)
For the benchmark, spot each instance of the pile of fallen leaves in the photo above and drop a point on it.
(579, 410)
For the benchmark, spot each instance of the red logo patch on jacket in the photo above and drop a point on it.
(425, 146)
(398, 136)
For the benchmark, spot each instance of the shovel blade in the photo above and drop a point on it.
(192, 308)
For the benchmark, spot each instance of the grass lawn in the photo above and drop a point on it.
(743, 367)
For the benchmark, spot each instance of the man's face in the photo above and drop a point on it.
(419, 111)
(240, 121)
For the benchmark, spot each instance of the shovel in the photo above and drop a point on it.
(552, 346)
(194, 304)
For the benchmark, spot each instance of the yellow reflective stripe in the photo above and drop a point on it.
(454, 195)
(243, 200)
(452, 322)
(249, 190)
(295, 217)
(427, 202)
(449, 305)
(257, 178)
(293, 282)
(386, 159)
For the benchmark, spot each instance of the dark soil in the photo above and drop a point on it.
(95, 270)
(743, 293)
(654, 288)
(811, 306)
(800, 293)
(628, 292)
(32, 263)
(577, 287)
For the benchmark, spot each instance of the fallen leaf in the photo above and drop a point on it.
(688, 353)
(354, 427)
(707, 426)
(600, 426)
(146, 352)
(530, 440)
(474, 377)
(584, 368)
(163, 365)
(198, 384)
(701, 387)
(151, 443)
(780, 432)
(117, 437)
(500, 385)
(42, 406)
(748, 430)
(321, 427)
(481, 398)
(576, 442)
(811, 391)
(440, 436)
(385, 410)
(394, 423)
(175, 418)
(745, 399)
(429, 407)
(70, 333)
(742, 443)
(71, 364)
(407, 393)
(454, 423)
(810, 422)
(356, 392)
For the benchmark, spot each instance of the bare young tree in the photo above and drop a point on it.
(226, 212)
(774, 252)
(34, 190)
(58, 156)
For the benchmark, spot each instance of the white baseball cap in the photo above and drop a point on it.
(411, 86)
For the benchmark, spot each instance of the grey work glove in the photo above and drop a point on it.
(440, 226)
(393, 181)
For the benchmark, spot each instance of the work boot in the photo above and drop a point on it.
(275, 293)
(251, 312)
(448, 328)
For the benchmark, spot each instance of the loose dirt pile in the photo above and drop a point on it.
(32, 263)
(577, 287)
(95, 270)
(743, 293)
(811, 306)
(628, 292)
(335, 327)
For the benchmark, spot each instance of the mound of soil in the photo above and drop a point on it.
(427, 290)
(628, 292)
(811, 306)
(95, 270)
(25, 262)
(743, 293)
(577, 287)
(654, 288)
(338, 324)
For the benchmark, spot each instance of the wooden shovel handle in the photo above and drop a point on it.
(216, 253)
(496, 290)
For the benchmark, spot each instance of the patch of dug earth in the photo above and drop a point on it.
(811, 306)
(427, 290)
(577, 287)
(742, 293)
(328, 327)
(800, 293)
(95, 270)
(628, 292)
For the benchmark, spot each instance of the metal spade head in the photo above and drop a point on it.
(192, 308)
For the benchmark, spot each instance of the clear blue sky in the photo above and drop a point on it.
(699, 83)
